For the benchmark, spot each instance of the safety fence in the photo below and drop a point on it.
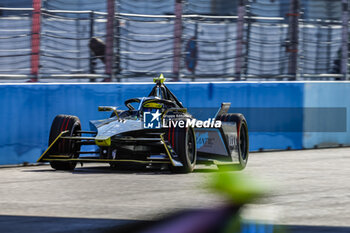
(15, 43)
(188, 40)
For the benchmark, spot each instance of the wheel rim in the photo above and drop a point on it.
(190, 146)
(243, 142)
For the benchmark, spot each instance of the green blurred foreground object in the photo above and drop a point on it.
(227, 218)
(239, 188)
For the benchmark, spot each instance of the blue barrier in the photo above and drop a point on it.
(253, 96)
(28, 110)
(327, 95)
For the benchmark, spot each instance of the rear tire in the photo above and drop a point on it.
(242, 140)
(64, 146)
(183, 142)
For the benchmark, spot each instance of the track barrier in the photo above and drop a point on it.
(280, 115)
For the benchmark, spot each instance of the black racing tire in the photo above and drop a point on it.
(64, 146)
(183, 141)
(242, 140)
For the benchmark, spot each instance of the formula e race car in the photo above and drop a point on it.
(154, 130)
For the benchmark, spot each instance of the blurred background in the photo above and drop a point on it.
(187, 40)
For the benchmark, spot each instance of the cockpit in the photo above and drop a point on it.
(159, 99)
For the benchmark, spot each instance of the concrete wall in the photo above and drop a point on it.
(334, 129)
(275, 111)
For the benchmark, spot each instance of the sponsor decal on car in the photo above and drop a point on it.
(201, 139)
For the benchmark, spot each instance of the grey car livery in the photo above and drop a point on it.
(154, 130)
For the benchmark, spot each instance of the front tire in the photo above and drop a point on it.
(64, 146)
(183, 142)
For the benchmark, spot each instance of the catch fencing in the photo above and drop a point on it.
(185, 40)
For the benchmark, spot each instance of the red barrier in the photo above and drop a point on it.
(177, 39)
(110, 39)
(35, 39)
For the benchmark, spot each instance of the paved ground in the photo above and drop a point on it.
(312, 188)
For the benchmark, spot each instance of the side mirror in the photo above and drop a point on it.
(108, 109)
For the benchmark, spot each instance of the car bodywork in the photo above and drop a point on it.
(123, 138)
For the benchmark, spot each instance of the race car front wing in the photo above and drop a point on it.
(170, 156)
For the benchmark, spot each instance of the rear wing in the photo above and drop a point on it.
(223, 109)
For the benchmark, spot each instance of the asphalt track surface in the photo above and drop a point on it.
(311, 193)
